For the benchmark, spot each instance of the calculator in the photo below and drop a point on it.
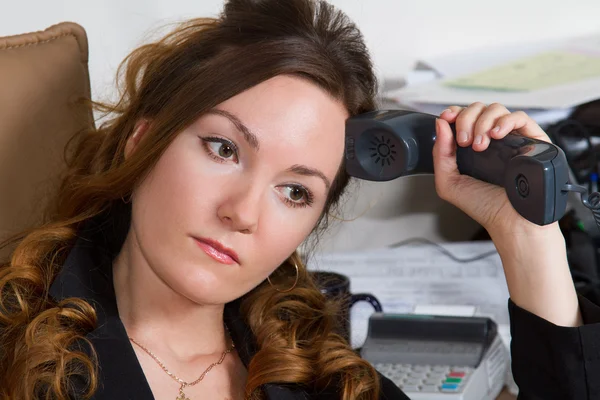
(438, 357)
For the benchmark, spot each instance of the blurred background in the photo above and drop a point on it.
(399, 33)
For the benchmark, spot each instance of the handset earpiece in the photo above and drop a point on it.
(385, 145)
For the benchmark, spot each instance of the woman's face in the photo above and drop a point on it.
(236, 193)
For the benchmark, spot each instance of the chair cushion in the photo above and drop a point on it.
(43, 77)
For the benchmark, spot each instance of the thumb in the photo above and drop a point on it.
(447, 175)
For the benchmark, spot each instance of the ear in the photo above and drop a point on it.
(141, 127)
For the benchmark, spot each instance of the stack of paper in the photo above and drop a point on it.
(547, 80)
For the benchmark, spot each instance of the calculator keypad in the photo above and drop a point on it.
(426, 378)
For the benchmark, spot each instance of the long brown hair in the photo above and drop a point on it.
(172, 82)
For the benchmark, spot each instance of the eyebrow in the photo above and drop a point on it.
(239, 125)
(307, 171)
(253, 142)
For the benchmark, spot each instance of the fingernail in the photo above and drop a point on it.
(462, 137)
(478, 139)
(496, 129)
(447, 110)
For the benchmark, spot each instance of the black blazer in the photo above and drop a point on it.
(548, 362)
(556, 363)
(87, 274)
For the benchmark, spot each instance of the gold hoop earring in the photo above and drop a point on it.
(287, 290)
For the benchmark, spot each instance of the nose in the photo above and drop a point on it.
(240, 210)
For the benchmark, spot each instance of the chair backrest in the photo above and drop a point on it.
(43, 77)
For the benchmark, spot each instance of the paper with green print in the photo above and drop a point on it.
(540, 71)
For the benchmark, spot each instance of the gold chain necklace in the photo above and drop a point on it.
(183, 383)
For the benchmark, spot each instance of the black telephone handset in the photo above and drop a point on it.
(385, 145)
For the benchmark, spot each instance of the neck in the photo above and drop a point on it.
(158, 317)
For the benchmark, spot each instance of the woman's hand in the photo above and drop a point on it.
(533, 257)
(476, 125)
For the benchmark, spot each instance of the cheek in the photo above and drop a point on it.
(166, 193)
(184, 184)
(169, 201)
(281, 232)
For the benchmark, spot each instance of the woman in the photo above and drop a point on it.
(168, 266)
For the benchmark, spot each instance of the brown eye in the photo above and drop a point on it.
(220, 149)
(296, 194)
(225, 151)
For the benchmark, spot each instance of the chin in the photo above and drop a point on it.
(205, 287)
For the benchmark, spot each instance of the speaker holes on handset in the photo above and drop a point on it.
(383, 150)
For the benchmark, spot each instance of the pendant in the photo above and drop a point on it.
(182, 395)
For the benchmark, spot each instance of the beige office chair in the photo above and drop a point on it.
(43, 77)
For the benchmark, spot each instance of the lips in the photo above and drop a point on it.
(217, 251)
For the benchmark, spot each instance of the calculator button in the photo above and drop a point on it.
(412, 381)
(449, 388)
(455, 374)
(440, 368)
(429, 388)
(453, 380)
(431, 381)
(461, 369)
(410, 388)
(421, 368)
(437, 376)
(417, 375)
(398, 382)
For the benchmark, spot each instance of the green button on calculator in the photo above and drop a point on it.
(453, 380)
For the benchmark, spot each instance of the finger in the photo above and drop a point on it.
(485, 124)
(455, 188)
(520, 122)
(444, 160)
(450, 113)
(465, 123)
